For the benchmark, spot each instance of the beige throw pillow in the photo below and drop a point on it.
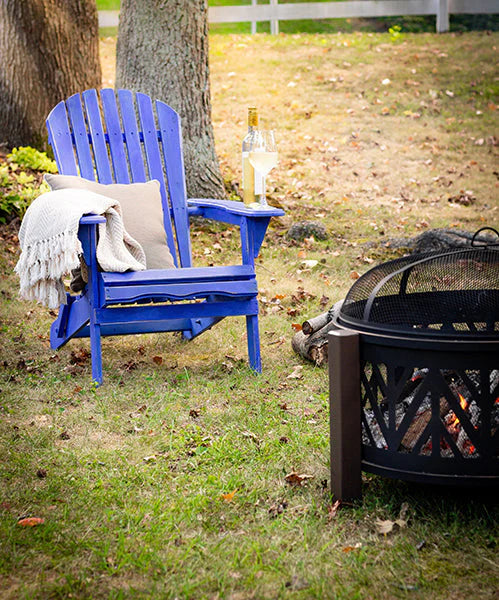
(142, 213)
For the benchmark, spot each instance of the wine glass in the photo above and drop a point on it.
(263, 155)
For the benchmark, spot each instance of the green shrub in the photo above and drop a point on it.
(33, 159)
(21, 180)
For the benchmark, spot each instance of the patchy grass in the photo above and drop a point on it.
(169, 481)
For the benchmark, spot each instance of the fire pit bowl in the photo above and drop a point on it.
(414, 372)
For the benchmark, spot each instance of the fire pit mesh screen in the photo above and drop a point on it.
(436, 294)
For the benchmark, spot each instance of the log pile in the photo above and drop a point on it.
(311, 342)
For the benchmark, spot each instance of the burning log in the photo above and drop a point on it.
(418, 425)
(450, 419)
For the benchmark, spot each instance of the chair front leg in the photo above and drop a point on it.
(88, 237)
(253, 336)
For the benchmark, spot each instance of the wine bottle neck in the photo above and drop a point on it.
(252, 119)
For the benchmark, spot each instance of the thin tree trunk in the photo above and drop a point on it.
(49, 49)
(163, 51)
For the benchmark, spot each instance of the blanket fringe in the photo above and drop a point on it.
(43, 264)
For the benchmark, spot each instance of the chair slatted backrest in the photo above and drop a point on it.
(123, 138)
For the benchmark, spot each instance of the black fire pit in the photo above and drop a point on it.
(414, 372)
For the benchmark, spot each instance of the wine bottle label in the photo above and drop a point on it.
(248, 180)
(252, 117)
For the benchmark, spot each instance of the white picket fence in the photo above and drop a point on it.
(276, 11)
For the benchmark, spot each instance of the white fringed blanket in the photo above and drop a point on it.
(50, 247)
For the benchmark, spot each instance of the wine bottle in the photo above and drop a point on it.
(252, 180)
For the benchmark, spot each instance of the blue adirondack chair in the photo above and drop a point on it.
(122, 139)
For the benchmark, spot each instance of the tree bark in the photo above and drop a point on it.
(163, 51)
(49, 49)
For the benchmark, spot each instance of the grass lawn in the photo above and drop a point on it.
(169, 481)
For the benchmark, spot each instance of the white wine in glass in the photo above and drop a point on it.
(263, 155)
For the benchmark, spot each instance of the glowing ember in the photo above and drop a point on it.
(464, 404)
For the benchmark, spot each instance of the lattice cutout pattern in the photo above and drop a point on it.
(430, 412)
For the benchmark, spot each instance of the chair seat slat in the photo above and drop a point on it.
(180, 291)
(192, 274)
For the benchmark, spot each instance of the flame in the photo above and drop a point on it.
(464, 404)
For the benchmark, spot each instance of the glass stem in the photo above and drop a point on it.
(263, 198)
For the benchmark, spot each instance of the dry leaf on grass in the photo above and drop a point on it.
(31, 522)
(350, 548)
(297, 479)
(296, 373)
(385, 527)
(277, 508)
(229, 496)
(309, 264)
(138, 412)
(332, 510)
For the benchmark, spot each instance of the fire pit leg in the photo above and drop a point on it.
(345, 414)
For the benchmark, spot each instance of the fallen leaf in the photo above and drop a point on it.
(309, 264)
(324, 301)
(230, 496)
(387, 526)
(138, 412)
(332, 510)
(465, 198)
(350, 548)
(384, 527)
(297, 373)
(296, 326)
(354, 275)
(31, 522)
(157, 359)
(297, 479)
(149, 459)
(277, 509)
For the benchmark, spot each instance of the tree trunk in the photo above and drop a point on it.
(163, 51)
(49, 49)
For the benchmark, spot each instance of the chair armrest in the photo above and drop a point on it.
(228, 210)
(92, 219)
(253, 222)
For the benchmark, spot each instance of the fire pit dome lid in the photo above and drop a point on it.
(439, 295)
